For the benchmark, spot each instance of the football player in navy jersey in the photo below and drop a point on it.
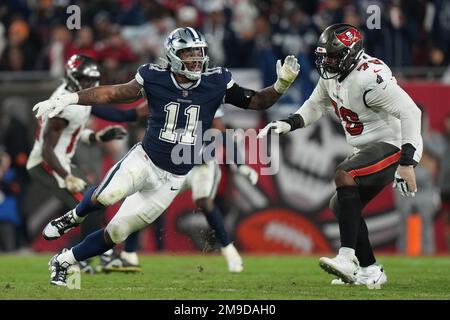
(203, 179)
(182, 100)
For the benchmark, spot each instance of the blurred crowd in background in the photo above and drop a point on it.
(241, 33)
(414, 40)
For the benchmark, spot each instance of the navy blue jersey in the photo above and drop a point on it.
(178, 115)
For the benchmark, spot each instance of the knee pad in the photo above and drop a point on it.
(108, 198)
(118, 230)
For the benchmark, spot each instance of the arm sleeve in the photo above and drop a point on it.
(238, 96)
(390, 97)
(314, 108)
(114, 114)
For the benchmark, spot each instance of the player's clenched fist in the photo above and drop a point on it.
(278, 127)
(51, 107)
(286, 74)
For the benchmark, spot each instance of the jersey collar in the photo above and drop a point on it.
(192, 86)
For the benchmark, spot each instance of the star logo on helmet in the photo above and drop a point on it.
(172, 39)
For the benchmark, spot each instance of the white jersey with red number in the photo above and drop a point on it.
(370, 104)
(77, 117)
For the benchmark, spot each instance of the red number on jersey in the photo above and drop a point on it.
(375, 61)
(352, 123)
(351, 119)
(364, 67)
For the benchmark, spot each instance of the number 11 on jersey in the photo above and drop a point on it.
(168, 132)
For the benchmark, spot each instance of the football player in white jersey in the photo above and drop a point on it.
(203, 179)
(381, 122)
(50, 161)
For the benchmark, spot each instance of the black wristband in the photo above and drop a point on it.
(407, 155)
(295, 121)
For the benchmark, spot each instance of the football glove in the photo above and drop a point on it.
(405, 181)
(52, 107)
(74, 184)
(110, 133)
(286, 74)
(248, 173)
(278, 127)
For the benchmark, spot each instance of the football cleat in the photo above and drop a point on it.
(346, 268)
(116, 263)
(373, 277)
(59, 272)
(86, 268)
(233, 258)
(59, 226)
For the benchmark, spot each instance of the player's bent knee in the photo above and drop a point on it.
(205, 204)
(108, 239)
(118, 231)
(343, 178)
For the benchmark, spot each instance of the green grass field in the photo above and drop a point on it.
(206, 277)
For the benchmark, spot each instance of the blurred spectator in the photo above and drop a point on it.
(113, 52)
(400, 35)
(16, 56)
(427, 201)
(57, 52)
(130, 13)
(9, 218)
(187, 16)
(214, 29)
(15, 136)
(102, 25)
(84, 43)
(240, 40)
(2, 38)
(146, 39)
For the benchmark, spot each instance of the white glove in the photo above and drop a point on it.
(278, 127)
(51, 107)
(405, 181)
(74, 184)
(249, 173)
(286, 74)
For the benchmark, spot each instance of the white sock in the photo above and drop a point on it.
(66, 258)
(75, 216)
(348, 252)
(131, 257)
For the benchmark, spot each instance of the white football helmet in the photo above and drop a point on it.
(186, 39)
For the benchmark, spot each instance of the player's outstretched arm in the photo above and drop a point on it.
(126, 92)
(265, 98)
(121, 115)
(118, 93)
(286, 75)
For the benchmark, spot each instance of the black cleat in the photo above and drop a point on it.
(59, 226)
(58, 272)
